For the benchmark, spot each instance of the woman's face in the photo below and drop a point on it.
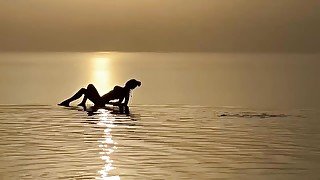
(137, 83)
(131, 84)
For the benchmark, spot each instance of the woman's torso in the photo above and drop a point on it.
(117, 93)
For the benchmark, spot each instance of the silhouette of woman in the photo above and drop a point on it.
(91, 93)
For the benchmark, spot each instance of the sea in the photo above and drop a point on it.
(195, 116)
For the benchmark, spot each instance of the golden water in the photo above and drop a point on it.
(196, 116)
(157, 142)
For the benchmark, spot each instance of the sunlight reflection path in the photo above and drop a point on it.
(108, 146)
(101, 75)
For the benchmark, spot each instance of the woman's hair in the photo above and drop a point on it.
(132, 83)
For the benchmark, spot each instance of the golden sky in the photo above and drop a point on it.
(160, 25)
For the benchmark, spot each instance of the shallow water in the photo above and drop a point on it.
(158, 142)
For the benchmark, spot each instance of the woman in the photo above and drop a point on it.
(91, 93)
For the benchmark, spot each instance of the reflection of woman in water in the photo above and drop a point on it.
(91, 93)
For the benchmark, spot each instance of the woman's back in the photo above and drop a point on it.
(117, 93)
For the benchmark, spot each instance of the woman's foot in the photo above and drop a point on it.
(64, 103)
(82, 104)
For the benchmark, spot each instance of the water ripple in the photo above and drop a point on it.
(157, 142)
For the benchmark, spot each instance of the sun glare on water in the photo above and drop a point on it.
(101, 73)
(107, 145)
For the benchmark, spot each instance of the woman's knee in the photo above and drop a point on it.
(83, 90)
(90, 86)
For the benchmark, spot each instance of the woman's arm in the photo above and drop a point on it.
(126, 99)
(120, 94)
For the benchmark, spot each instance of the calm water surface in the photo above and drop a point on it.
(158, 142)
(270, 81)
(196, 116)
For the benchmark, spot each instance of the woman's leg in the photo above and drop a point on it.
(74, 97)
(90, 93)
(83, 102)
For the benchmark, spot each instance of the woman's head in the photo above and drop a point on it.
(132, 83)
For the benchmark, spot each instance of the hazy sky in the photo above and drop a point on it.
(160, 25)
